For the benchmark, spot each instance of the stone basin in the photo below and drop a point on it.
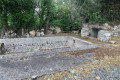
(38, 56)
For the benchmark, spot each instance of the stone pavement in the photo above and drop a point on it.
(34, 66)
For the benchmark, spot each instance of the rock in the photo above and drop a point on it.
(52, 28)
(85, 32)
(106, 28)
(76, 77)
(32, 33)
(11, 31)
(85, 25)
(58, 30)
(6, 35)
(38, 34)
(27, 35)
(118, 26)
(13, 35)
(50, 32)
(113, 42)
(75, 32)
(115, 33)
(104, 35)
(106, 24)
(34, 76)
(115, 28)
(73, 71)
(98, 78)
(42, 34)
(42, 30)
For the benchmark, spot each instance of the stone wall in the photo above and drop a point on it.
(100, 32)
(85, 32)
(104, 35)
(43, 43)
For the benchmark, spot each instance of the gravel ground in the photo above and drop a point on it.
(102, 74)
(113, 73)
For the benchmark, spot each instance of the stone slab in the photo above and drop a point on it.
(39, 65)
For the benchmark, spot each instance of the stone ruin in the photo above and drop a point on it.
(102, 33)
(22, 45)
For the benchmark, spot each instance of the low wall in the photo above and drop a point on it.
(43, 43)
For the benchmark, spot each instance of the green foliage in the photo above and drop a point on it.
(89, 10)
(111, 10)
(22, 14)
(63, 17)
(67, 14)
(17, 14)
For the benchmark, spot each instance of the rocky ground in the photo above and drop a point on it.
(105, 65)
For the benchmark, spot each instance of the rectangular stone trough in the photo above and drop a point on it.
(38, 56)
(59, 43)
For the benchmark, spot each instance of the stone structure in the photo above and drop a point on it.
(42, 43)
(58, 30)
(94, 32)
(102, 33)
(85, 32)
(32, 33)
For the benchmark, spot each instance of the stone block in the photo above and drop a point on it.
(104, 35)
(85, 32)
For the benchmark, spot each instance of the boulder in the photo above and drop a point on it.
(106, 24)
(52, 28)
(42, 30)
(115, 33)
(27, 35)
(38, 34)
(115, 28)
(32, 33)
(58, 30)
(6, 35)
(85, 25)
(118, 26)
(85, 32)
(13, 35)
(51, 32)
(112, 42)
(75, 32)
(104, 35)
(11, 31)
(42, 34)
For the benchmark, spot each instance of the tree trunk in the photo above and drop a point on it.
(22, 32)
(46, 27)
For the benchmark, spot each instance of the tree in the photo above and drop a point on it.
(45, 11)
(18, 13)
(4, 13)
(110, 9)
(22, 14)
